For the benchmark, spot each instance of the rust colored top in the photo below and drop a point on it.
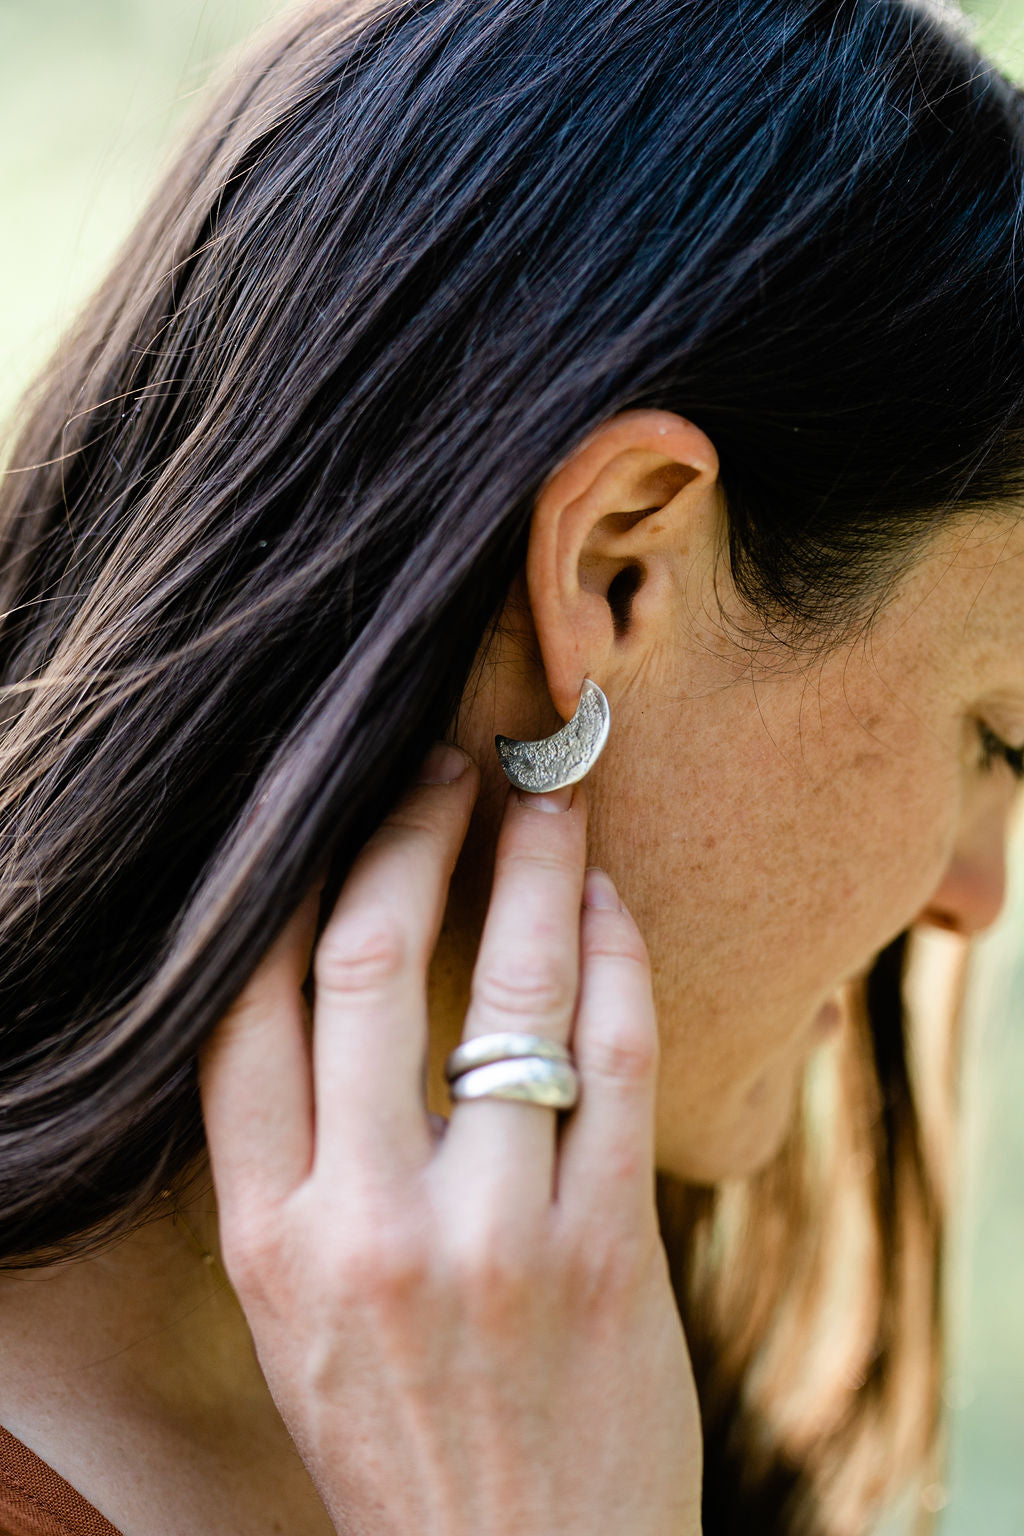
(36, 1501)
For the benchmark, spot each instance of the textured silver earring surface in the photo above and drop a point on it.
(565, 757)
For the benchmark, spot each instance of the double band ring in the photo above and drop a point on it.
(483, 1049)
(527, 1068)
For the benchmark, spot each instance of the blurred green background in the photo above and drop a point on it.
(93, 94)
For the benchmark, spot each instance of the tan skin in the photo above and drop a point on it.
(771, 818)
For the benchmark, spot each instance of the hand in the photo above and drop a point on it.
(473, 1335)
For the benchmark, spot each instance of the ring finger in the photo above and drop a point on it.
(525, 982)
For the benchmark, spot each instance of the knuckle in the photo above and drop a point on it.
(524, 985)
(626, 1163)
(622, 1054)
(616, 940)
(542, 858)
(258, 999)
(363, 952)
(413, 817)
(384, 1267)
(497, 1280)
(606, 1272)
(380, 1247)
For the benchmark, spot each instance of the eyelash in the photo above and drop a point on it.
(995, 750)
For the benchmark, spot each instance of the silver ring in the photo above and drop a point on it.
(526, 1079)
(483, 1049)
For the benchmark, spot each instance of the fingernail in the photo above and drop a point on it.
(599, 892)
(443, 764)
(554, 801)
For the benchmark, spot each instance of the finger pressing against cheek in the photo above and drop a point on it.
(606, 1171)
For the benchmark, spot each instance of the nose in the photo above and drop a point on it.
(972, 890)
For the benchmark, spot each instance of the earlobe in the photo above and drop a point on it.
(608, 528)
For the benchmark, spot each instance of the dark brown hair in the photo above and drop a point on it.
(274, 489)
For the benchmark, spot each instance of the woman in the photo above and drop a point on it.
(473, 351)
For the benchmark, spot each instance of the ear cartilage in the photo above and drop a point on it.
(568, 755)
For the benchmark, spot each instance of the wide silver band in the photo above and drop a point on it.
(527, 1079)
(483, 1049)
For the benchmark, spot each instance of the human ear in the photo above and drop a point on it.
(616, 530)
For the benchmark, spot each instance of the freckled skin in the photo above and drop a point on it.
(771, 819)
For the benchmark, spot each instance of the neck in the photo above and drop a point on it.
(151, 1323)
(154, 1316)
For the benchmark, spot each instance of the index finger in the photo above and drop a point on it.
(255, 1082)
(371, 966)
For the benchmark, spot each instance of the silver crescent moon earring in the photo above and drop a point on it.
(565, 757)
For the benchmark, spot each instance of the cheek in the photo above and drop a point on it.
(758, 879)
(759, 890)
(711, 893)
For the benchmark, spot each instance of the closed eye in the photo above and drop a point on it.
(995, 750)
